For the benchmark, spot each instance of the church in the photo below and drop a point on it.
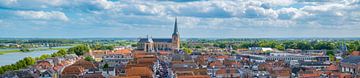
(150, 44)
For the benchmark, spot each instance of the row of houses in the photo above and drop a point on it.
(128, 63)
(48, 68)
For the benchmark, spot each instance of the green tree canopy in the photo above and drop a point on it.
(106, 65)
(62, 52)
(79, 50)
(89, 58)
(187, 50)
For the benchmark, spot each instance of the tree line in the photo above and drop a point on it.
(352, 45)
(29, 61)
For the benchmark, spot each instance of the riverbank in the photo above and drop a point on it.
(40, 49)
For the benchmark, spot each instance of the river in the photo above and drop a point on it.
(11, 58)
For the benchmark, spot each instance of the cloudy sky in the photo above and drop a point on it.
(196, 19)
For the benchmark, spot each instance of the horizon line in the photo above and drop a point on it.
(180, 37)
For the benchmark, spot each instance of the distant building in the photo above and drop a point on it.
(77, 69)
(285, 57)
(115, 60)
(261, 49)
(19, 74)
(355, 53)
(150, 44)
(351, 65)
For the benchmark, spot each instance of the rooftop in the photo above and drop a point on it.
(139, 71)
(351, 59)
(85, 64)
(167, 40)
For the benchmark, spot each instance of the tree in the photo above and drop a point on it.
(330, 53)
(303, 46)
(20, 64)
(24, 49)
(279, 47)
(43, 57)
(324, 45)
(102, 47)
(106, 48)
(222, 45)
(134, 45)
(106, 65)
(79, 50)
(62, 52)
(332, 58)
(187, 50)
(233, 53)
(89, 58)
(29, 60)
(198, 46)
(1, 70)
(55, 55)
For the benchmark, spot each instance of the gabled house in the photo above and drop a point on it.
(351, 65)
(73, 72)
(191, 73)
(143, 72)
(48, 74)
(228, 73)
(71, 57)
(43, 65)
(107, 72)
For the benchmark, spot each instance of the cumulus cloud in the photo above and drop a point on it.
(197, 14)
(42, 15)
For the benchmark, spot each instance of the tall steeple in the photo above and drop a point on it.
(176, 32)
(176, 37)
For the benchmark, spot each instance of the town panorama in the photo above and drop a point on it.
(179, 39)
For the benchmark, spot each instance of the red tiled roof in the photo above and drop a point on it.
(222, 57)
(43, 65)
(57, 68)
(95, 52)
(122, 51)
(164, 53)
(225, 71)
(344, 75)
(216, 63)
(127, 77)
(73, 70)
(194, 76)
(139, 71)
(84, 63)
(332, 67)
(312, 75)
(309, 74)
(191, 73)
(355, 53)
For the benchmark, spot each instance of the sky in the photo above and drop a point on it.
(196, 18)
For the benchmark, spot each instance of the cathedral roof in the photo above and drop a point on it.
(146, 40)
(167, 40)
(163, 40)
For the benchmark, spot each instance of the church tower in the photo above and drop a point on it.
(176, 37)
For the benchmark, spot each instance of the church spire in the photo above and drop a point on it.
(176, 32)
(175, 37)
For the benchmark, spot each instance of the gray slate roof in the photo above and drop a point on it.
(166, 40)
(180, 57)
(351, 59)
